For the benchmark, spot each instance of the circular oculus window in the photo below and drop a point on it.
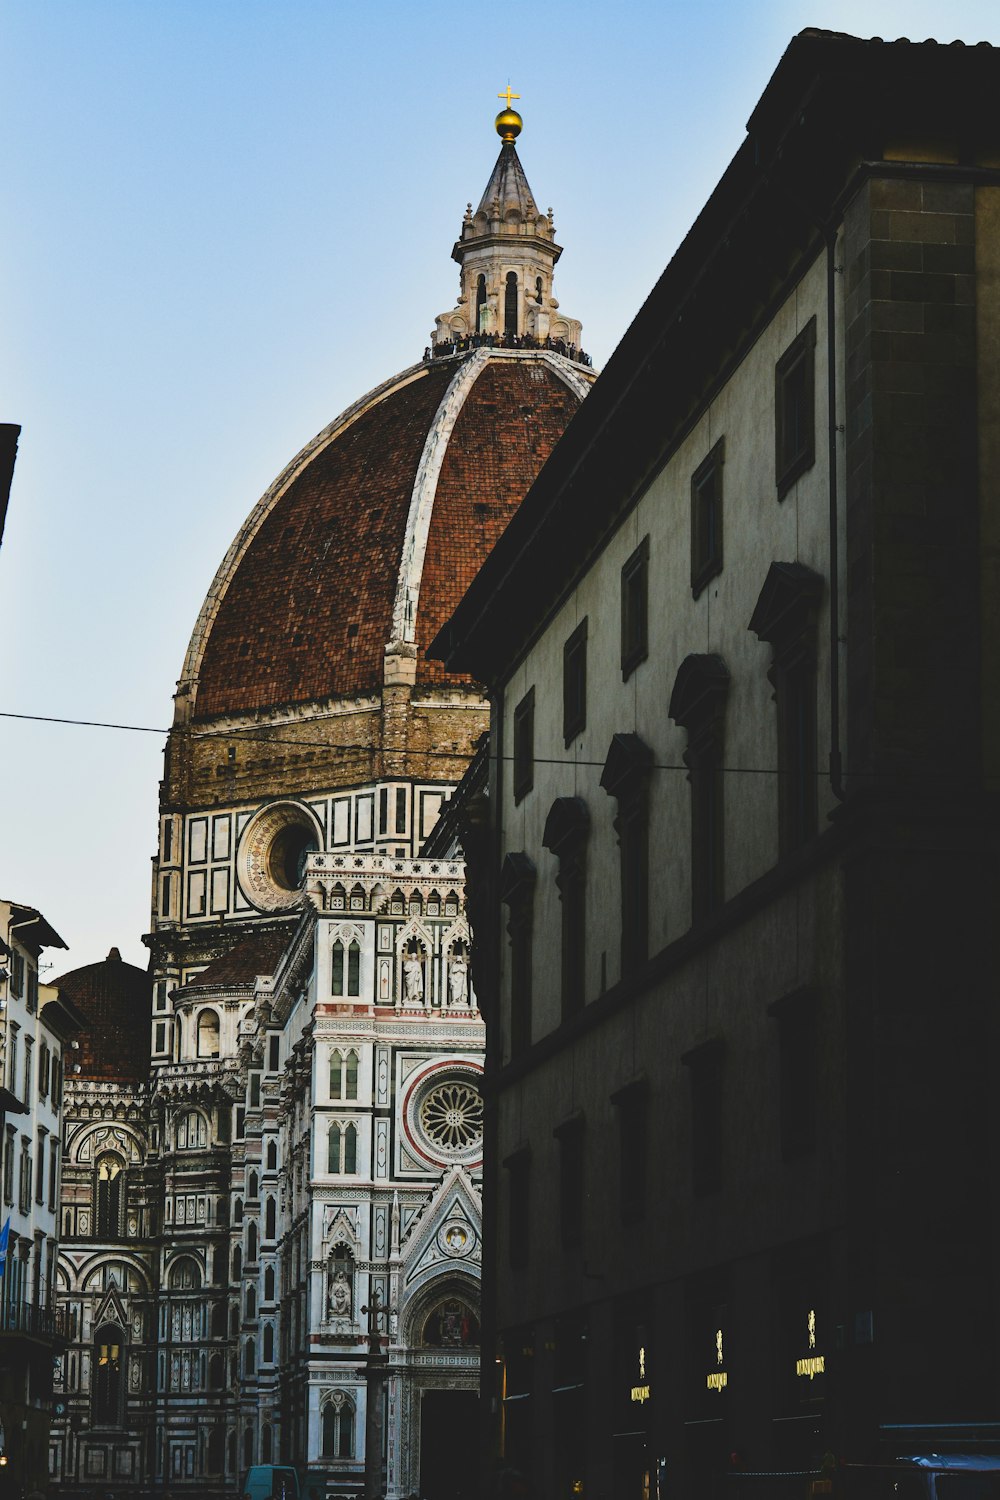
(443, 1118)
(272, 855)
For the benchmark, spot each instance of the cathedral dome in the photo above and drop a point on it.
(115, 999)
(363, 546)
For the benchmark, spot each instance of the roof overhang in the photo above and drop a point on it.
(33, 931)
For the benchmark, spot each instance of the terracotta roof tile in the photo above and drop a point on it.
(308, 611)
(116, 999)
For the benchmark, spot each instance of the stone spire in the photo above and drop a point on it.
(507, 252)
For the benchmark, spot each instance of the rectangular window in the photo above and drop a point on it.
(571, 1181)
(705, 1065)
(798, 768)
(707, 827)
(274, 1054)
(32, 998)
(635, 609)
(53, 1173)
(161, 1037)
(255, 1091)
(797, 1080)
(12, 1070)
(40, 1167)
(165, 896)
(161, 994)
(794, 410)
(519, 1205)
(401, 809)
(168, 840)
(17, 973)
(8, 1166)
(572, 881)
(633, 1149)
(706, 518)
(24, 1178)
(28, 1048)
(575, 683)
(383, 810)
(520, 981)
(524, 745)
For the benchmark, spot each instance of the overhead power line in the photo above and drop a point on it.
(269, 737)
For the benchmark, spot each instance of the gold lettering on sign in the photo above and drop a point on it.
(717, 1381)
(814, 1364)
(640, 1393)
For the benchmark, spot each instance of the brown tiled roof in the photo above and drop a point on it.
(306, 615)
(256, 954)
(308, 611)
(115, 997)
(504, 433)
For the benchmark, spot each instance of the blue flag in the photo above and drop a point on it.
(4, 1237)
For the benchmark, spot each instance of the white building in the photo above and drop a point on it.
(36, 1029)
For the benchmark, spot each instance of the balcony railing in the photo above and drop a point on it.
(30, 1319)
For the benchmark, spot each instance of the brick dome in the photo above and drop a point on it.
(371, 535)
(115, 997)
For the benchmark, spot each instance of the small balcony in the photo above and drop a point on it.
(28, 1320)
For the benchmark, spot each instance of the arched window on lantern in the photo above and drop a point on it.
(269, 1284)
(351, 1075)
(250, 1357)
(208, 1033)
(480, 304)
(270, 1217)
(272, 1156)
(268, 1354)
(510, 304)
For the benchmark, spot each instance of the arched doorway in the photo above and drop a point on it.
(449, 1445)
(449, 1417)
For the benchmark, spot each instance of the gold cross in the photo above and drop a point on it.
(508, 95)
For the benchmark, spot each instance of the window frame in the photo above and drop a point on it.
(635, 609)
(707, 539)
(518, 1166)
(523, 747)
(631, 1103)
(572, 1181)
(800, 356)
(575, 683)
(705, 1064)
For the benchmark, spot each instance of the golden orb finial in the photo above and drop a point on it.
(508, 122)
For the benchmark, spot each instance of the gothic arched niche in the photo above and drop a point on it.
(109, 1183)
(106, 1406)
(452, 1323)
(340, 1283)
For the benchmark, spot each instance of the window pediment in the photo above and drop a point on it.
(628, 761)
(786, 603)
(568, 823)
(700, 689)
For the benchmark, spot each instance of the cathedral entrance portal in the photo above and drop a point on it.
(449, 1448)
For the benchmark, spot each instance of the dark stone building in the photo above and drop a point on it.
(742, 642)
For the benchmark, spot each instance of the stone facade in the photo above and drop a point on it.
(310, 1098)
(740, 878)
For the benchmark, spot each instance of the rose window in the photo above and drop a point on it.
(451, 1116)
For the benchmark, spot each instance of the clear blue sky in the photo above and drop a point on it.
(224, 220)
